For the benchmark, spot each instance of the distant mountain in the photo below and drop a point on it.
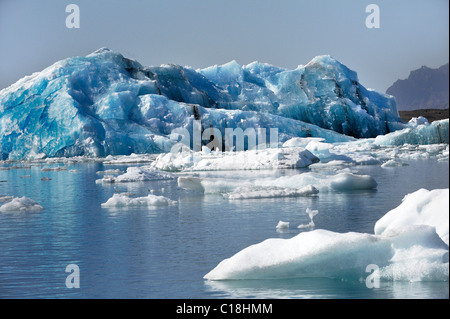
(425, 88)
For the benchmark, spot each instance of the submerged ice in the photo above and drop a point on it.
(105, 104)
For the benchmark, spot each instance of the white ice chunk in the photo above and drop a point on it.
(422, 207)
(324, 183)
(302, 141)
(124, 200)
(322, 253)
(282, 225)
(393, 163)
(271, 158)
(410, 243)
(19, 204)
(435, 133)
(138, 174)
(418, 121)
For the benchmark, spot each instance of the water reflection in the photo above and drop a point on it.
(325, 288)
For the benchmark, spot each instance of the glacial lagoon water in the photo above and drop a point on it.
(164, 252)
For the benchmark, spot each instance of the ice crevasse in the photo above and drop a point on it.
(105, 104)
(410, 243)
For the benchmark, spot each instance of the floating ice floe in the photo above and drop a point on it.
(19, 204)
(409, 250)
(281, 226)
(5, 198)
(125, 200)
(303, 184)
(422, 207)
(270, 158)
(393, 163)
(138, 174)
(324, 183)
(128, 159)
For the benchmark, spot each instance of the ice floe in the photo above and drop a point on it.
(125, 200)
(302, 184)
(405, 246)
(18, 204)
(138, 174)
(422, 207)
(282, 225)
(270, 158)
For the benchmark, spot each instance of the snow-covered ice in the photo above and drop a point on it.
(434, 133)
(416, 253)
(422, 207)
(138, 174)
(303, 184)
(340, 182)
(125, 200)
(410, 250)
(18, 204)
(270, 158)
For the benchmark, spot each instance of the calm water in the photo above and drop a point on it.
(164, 252)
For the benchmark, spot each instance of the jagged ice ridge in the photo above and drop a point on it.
(105, 104)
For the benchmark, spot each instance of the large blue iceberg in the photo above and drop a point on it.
(106, 104)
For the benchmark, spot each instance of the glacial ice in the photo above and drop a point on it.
(105, 104)
(269, 158)
(281, 226)
(410, 250)
(125, 200)
(422, 207)
(340, 182)
(18, 204)
(138, 174)
(415, 254)
(303, 184)
(323, 92)
(421, 133)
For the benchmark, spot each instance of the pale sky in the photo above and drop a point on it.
(200, 33)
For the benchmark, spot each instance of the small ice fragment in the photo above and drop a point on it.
(282, 225)
(311, 213)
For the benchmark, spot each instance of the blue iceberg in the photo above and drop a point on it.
(106, 104)
(418, 134)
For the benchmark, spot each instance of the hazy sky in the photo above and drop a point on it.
(200, 33)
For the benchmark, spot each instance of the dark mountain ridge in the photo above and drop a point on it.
(425, 88)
